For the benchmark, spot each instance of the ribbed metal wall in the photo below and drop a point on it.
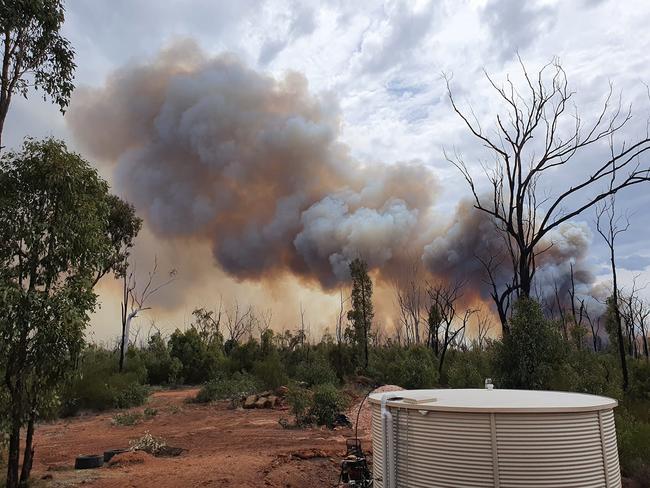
(503, 450)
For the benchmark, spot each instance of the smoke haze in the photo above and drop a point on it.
(213, 153)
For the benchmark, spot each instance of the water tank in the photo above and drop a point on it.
(462, 438)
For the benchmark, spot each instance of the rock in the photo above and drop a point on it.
(274, 400)
(250, 401)
(265, 393)
(282, 391)
(262, 403)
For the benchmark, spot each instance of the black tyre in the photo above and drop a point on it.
(108, 455)
(90, 461)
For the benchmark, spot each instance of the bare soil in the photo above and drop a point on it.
(221, 447)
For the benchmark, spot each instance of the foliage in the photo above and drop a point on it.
(633, 445)
(97, 385)
(316, 371)
(326, 404)
(150, 412)
(413, 367)
(198, 360)
(528, 356)
(162, 368)
(36, 55)
(235, 387)
(470, 369)
(300, 401)
(587, 372)
(54, 243)
(270, 371)
(362, 312)
(126, 419)
(639, 379)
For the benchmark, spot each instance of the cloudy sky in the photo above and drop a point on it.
(380, 64)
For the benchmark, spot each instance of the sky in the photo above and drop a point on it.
(380, 65)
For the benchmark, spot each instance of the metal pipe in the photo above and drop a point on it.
(388, 441)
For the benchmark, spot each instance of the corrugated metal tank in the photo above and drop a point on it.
(494, 438)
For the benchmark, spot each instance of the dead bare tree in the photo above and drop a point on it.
(529, 141)
(610, 225)
(410, 301)
(483, 327)
(239, 322)
(134, 300)
(594, 325)
(444, 300)
(207, 323)
(340, 320)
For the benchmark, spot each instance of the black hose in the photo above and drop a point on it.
(365, 397)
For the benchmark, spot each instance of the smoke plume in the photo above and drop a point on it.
(211, 151)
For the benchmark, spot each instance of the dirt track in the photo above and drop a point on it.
(224, 447)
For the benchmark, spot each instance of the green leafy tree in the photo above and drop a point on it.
(34, 53)
(54, 241)
(362, 311)
(529, 356)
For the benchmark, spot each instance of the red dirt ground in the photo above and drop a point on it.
(224, 448)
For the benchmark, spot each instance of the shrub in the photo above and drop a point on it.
(97, 385)
(126, 419)
(150, 412)
(162, 368)
(316, 371)
(633, 445)
(639, 379)
(588, 372)
(197, 360)
(326, 404)
(470, 369)
(126, 393)
(270, 371)
(414, 367)
(300, 401)
(528, 356)
(233, 388)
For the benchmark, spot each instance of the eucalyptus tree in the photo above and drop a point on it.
(34, 53)
(55, 240)
(362, 312)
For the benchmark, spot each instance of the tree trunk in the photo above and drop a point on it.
(28, 457)
(13, 458)
(525, 278)
(619, 325)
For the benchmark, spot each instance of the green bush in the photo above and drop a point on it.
(270, 371)
(150, 412)
(639, 379)
(529, 355)
(409, 368)
(233, 388)
(470, 369)
(327, 402)
(633, 445)
(97, 385)
(316, 371)
(162, 368)
(197, 361)
(588, 372)
(300, 401)
(126, 419)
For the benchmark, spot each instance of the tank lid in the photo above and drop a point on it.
(481, 400)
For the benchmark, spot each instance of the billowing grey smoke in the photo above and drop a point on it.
(210, 149)
(471, 239)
